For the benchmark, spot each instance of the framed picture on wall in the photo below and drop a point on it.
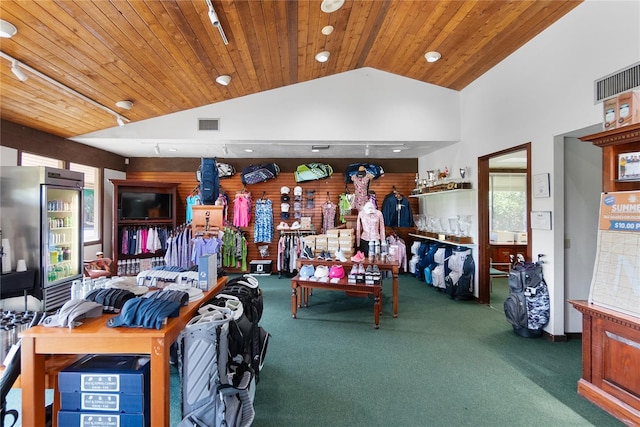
(541, 185)
(629, 166)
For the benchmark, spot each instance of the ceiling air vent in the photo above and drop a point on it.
(617, 83)
(208, 124)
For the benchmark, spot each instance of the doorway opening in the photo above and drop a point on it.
(504, 203)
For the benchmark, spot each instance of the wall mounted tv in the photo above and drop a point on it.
(145, 205)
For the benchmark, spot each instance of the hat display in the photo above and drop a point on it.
(284, 190)
(336, 272)
(321, 271)
(285, 198)
(307, 271)
(296, 225)
(297, 191)
(284, 207)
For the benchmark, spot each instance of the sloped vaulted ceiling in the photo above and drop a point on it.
(165, 55)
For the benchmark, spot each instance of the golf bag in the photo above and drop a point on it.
(209, 181)
(527, 307)
(220, 354)
(212, 394)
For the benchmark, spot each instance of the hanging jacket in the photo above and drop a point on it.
(390, 207)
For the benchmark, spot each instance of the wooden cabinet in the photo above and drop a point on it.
(610, 339)
(614, 143)
(501, 253)
(137, 206)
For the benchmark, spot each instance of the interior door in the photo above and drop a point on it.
(515, 158)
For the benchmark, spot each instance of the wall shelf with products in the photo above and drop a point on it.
(443, 192)
(139, 205)
(616, 143)
(446, 216)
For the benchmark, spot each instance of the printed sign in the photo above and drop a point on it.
(620, 211)
(616, 273)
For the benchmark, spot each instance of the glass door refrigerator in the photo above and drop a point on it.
(41, 215)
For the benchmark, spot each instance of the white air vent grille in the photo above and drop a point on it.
(617, 83)
(208, 124)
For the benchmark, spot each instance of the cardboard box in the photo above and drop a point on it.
(347, 232)
(207, 271)
(305, 223)
(332, 241)
(103, 402)
(610, 110)
(333, 233)
(502, 237)
(346, 241)
(97, 419)
(106, 374)
(260, 267)
(628, 108)
(321, 242)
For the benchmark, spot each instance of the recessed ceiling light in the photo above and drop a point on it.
(315, 150)
(248, 150)
(323, 56)
(329, 6)
(327, 30)
(432, 56)
(173, 150)
(223, 80)
(7, 29)
(396, 150)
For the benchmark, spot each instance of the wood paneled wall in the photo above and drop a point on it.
(331, 187)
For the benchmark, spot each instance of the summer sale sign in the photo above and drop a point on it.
(620, 211)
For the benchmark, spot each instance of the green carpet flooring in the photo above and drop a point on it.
(439, 363)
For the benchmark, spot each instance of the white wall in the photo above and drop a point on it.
(544, 90)
(582, 203)
(8, 156)
(363, 104)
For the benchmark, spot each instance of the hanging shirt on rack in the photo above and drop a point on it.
(396, 210)
(192, 200)
(242, 209)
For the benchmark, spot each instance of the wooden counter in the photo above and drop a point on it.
(610, 361)
(95, 337)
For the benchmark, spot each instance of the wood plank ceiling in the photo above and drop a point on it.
(166, 55)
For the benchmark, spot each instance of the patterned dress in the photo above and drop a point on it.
(328, 216)
(361, 185)
(263, 226)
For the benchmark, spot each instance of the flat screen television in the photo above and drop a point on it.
(145, 205)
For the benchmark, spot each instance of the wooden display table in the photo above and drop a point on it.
(95, 337)
(382, 266)
(610, 361)
(300, 295)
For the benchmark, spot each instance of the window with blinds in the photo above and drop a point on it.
(508, 202)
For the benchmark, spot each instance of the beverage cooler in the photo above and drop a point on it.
(41, 215)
